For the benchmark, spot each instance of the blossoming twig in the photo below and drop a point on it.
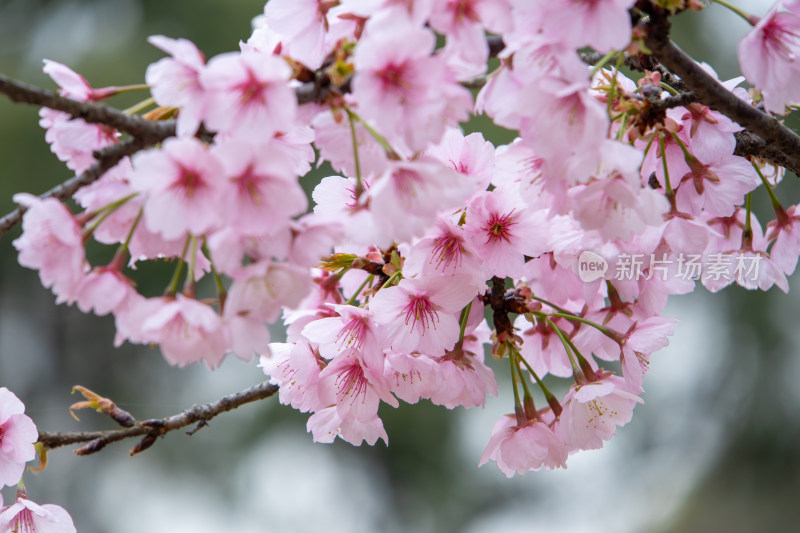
(151, 429)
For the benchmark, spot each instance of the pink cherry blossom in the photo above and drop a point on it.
(602, 24)
(502, 231)
(464, 378)
(411, 376)
(17, 435)
(407, 197)
(422, 314)
(175, 81)
(261, 191)
(768, 55)
(296, 368)
(785, 230)
(52, 243)
(518, 449)
(187, 330)
(592, 413)
(248, 92)
(306, 30)
(25, 516)
(183, 182)
(445, 251)
(409, 95)
(354, 329)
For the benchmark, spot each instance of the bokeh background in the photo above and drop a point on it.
(715, 446)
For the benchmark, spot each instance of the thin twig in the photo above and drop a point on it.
(88, 111)
(151, 429)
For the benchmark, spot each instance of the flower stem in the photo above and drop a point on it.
(576, 371)
(176, 276)
(359, 183)
(141, 106)
(352, 299)
(667, 185)
(736, 10)
(222, 292)
(600, 64)
(378, 137)
(391, 280)
(776, 204)
(107, 211)
(669, 88)
(552, 401)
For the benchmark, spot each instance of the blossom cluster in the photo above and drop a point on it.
(383, 279)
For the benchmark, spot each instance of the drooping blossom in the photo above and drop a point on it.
(519, 449)
(51, 242)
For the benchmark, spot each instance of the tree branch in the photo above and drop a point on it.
(711, 93)
(151, 429)
(91, 112)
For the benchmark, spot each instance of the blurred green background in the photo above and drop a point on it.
(715, 447)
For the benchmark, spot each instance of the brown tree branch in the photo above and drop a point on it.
(151, 429)
(91, 112)
(711, 93)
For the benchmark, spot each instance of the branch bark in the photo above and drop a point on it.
(711, 93)
(91, 112)
(151, 429)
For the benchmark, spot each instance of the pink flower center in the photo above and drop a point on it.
(352, 335)
(189, 182)
(447, 250)
(420, 310)
(24, 522)
(251, 91)
(248, 185)
(498, 227)
(393, 78)
(351, 382)
(464, 9)
(780, 39)
(406, 181)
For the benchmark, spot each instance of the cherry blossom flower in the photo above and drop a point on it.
(768, 55)
(73, 140)
(422, 314)
(183, 182)
(52, 243)
(187, 330)
(785, 231)
(409, 95)
(592, 413)
(261, 192)
(175, 81)
(17, 435)
(354, 329)
(502, 231)
(25, 516)
(296, 369)
(518, 449)
(602, 24)
(247, 92)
